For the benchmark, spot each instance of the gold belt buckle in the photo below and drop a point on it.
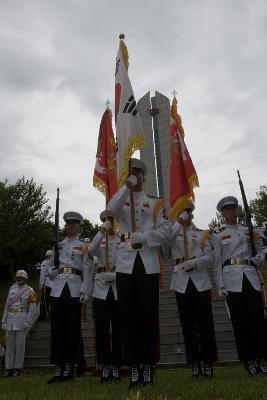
(67, 270)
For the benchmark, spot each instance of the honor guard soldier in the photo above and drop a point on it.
(105, 300)
(71, 287)
(190, 280)
(237, 280)
(45, 285)
(19, 316)
(137, 272)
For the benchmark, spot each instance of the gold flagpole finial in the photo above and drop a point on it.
(122, 36)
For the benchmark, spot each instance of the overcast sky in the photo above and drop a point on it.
(57, 71)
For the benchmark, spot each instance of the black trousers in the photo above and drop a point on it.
(138, 296)
(65, 328)
(196, 318)
(247, 317)
(108, 331)
(45, 304)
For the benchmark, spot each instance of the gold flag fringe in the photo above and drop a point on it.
(100, 185)
(182, 201)
(136, 142)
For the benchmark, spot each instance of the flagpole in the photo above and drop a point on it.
(132, 202)
(106, 218)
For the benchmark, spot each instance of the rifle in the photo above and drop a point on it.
(248, 216)
(56, 253)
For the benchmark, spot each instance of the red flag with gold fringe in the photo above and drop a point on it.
(105, 173)
(183, 176)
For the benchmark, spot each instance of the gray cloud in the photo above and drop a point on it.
(57, 70)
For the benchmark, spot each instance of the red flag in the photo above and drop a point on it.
(105, 173)
(183, 177)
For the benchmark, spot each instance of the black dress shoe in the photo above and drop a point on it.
(116, 373)
(251, 368)
(148, 375)
(196, 370)
(208, 370)
(16, 372)
(8, 373)
(261, 366)
(57, 375)
(134, 378)
(105, 376)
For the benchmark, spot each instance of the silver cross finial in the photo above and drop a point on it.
(174, 93)
(107, 103)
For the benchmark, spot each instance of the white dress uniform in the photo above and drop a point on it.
(19, 315)
(236, 276)
(199, 276)
(44, 276)
(75, 269)
(156, 232)
(73, 278)
(233, 242)
(105, 304)
(192, 291)
(46, 284)
(137, 273)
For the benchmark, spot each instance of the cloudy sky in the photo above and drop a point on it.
(57, 71)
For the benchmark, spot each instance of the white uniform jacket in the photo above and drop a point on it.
(44, 277)
(233, 242)
(204, 258)
(157, 230)
(98, 248)
(19, 310)
(70, 256)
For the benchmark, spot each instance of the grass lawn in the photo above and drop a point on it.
(228, 383)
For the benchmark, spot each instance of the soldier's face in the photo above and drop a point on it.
(230, 215)
(140, 178)
(72, 228)
(20, 280)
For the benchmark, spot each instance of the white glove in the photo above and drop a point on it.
(222, 292)
(137, 237)
(52, 273)
(84, 298)
(258, 260)
(184, 216)
(3, 326)
(106, 225)
(188, 266)
(26, 325)
(131, 181)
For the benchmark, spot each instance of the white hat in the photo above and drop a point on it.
(136, 163)
(21, 274)
(73, 216)
(227, 201)
(48, 253)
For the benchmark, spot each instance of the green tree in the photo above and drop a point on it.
(216, 223)
(26, 230)
(259, 207)
(88, 230)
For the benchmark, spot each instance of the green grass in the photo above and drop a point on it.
(228, 383)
